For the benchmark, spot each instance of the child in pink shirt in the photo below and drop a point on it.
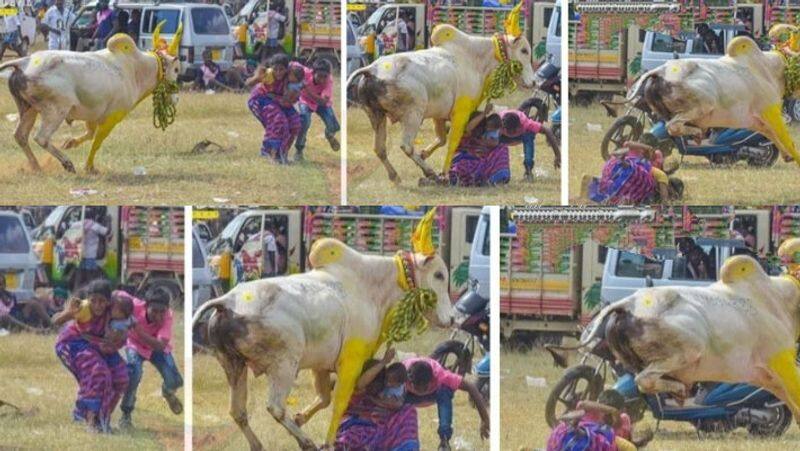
(317, 97)
(428, 383)
(150, 339)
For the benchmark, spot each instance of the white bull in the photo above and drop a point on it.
(446, 83)
(741, 329)
(99, 88)
(743, 89)
(328, 320)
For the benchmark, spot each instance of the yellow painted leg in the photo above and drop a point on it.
(101, 134)
(783, 365)
(774, 119)
(354, 354)
(459, 119)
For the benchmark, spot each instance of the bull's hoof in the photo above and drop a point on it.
(425, 155)
(300, 419)
(68, 166)
(308, 445)
(395, 178)
(91, 170)
(35, 167)
(71, 143)
(435, 180)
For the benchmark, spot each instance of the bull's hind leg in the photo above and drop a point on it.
(103, 131)
(322, 385)
(783, 367)
(281, 377)
(440, 127)
(378, 121)
(77, 141)
(236, 372)
(52, 118)
(27, 118)
(411, 123)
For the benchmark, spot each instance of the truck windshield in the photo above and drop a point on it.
(209, 21)
(12, 236)
(152, 17)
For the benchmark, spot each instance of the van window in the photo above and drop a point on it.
(197, 254)
(666, 43)
(12, 236)
(152, 17)
(209, 21)
(638, 266)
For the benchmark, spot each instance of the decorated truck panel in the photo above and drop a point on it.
(552, 262)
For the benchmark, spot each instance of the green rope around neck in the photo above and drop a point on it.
(163, 108)
(408, 316)
(791, 74)
(502, 79)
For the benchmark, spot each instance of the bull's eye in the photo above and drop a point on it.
(524, 51)
(438, 275)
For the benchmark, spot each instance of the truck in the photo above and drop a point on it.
(143, 249)
(237, 254)
(312, 28)
(18, 263)
(611, 42)
(558, 265)
(473, 19)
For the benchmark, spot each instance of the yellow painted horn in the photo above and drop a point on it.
(422, 239)
(511, 24)
(176, 41)
(157, 34)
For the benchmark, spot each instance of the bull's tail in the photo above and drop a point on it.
(16, 64)
(224, 326)
(224, 302)
(17, 82)
(365, 89)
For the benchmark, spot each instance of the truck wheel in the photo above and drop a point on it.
(169, 287)
(626, 128)
(579, 383)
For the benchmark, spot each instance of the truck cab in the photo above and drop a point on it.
(17, 260)
(659, 47)
(553, 40)
(479, 256)
(383, 22)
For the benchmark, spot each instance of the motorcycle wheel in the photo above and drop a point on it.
(767, 160)
(453, 355)
(625, 128)
(579, 383)
(535, 109)
(722, 160)
(774, 429)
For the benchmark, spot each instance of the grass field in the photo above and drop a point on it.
(368, 182)
(530, 430)
(214, 429)
(173, 175)
(705, 184)
(32, 378)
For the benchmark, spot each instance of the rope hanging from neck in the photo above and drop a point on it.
(408, 315)
(791, 74)
(163, 108)
(502, 78)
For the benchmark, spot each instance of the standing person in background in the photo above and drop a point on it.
(119, 24)
(105, 23)
(274, 21)
(94, 235)
(401, 43)
(13, 37)
(133, 24)
(270, 250)
(56, 23)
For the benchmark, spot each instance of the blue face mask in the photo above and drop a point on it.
(395, 392)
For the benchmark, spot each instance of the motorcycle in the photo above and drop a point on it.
(473, 319)
(722, 146)
(547, 96)
(714, 407)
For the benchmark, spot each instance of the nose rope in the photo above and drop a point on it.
(163, 108)
(502, 78)
(408, 315)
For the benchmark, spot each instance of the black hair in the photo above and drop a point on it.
(100, 287)
(420, 374)
(298, 72)
(398, 371)
(493, 120)
(158, 298)
(511, 121)
(612, 398)
(377, 385)
(278, 59)
(322, 65)
(125, 304)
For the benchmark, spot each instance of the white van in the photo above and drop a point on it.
(553, 43)
(17, 261)
(203, 287)
(205, 27)
(479, 256)
(659, 48)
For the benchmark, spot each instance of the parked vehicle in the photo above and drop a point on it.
(658, 48)
(547, 96)
(356, 58)
(144, 247)
(714, 407)
(18, 262)
(204, 286)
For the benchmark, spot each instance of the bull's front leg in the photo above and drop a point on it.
(459, 118)
(281, 378)
(411, 123)
(355, 352)
(322, 385)
(78, 140)
(772, 125)
(783, 368)
(103, 130)
(651, 378)
(440, 127)
(677, 126)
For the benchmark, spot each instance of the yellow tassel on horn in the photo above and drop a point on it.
(176, 41)
(422, 239)
(511, 24)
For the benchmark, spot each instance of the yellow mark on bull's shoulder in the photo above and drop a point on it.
(355, 352)
(675, 68)
(648, 300)
(325, 252)
(248, 296)
(782, 363)
(773, 117)
(36, 60)
(387, 65)
(442, 33)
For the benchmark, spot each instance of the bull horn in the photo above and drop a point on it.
(176, 41)
(511, 24)
(422, 239)
(157, 34)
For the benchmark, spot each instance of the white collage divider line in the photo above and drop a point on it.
(494, 328)
(187, 328)
(564, 102)
(343, 105)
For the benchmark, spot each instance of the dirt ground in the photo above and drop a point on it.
(368, 182)
(530, 430)
(214, 429)
(172, 175)
(705, 184)
(32, 378)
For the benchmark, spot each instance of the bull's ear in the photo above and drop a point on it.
(516, 39)
(427, 259)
